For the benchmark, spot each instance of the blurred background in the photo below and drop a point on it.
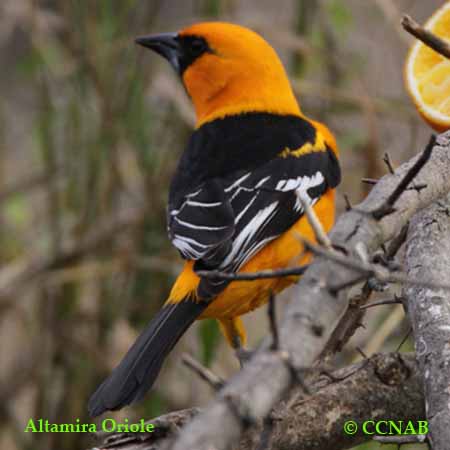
(91, 127)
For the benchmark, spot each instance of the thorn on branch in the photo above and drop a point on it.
(203, 372)
(388, 206)
(427, 37)
(387, 160)
(417, 187)
(387, 301)
(361, 352)
(348, 205)
(371, 181)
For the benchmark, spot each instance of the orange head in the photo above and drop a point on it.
(226, 69)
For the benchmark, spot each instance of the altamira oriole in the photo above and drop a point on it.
(233, 203)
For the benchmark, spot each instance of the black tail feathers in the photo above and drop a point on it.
(137, 371)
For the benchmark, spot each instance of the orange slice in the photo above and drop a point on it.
(427, 74)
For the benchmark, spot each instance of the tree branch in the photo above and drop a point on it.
(428, 255)
(429, 39)
(250, 396)
(251, 276)
(311, 318)
(265, 380)
(384, 387)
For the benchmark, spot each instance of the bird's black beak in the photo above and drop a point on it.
(165, 44)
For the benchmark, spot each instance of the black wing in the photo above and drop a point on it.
(225, 222)
(266, 203)
(203, 225)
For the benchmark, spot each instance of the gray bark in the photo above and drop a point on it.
(311, 318)
(309, 321)
(428, 257)
(384, 387)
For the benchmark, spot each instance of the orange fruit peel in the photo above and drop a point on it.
(427, 74)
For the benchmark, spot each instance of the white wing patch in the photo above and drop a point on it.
(198, 227)
(249, 204)
(302, 183)
(239, 253)
(203, 204)
(301, 186)
(237, 182)
(190, 247)
(255, 233)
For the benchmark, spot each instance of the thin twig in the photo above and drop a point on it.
(351, 320)
(388, 161)
(390, 165)
(388, 206)
(407, 335)
(427, 37)
(203, 372)
(366, 271)
(371, 181)
(371, 270)
(250, 276)
(387, 301)
(315, 223)
(361, 352)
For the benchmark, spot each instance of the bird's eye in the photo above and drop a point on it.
(198, 46)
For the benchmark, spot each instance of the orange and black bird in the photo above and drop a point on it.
(234, 198)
